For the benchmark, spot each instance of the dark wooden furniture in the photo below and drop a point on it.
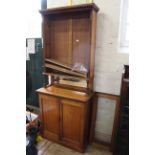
(122, 144)
(69, 35)
(65, 116)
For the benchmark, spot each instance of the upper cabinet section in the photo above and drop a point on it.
(69, 43)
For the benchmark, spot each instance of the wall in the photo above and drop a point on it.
(108, 64)
(108, 61)
(105, 119)
(33, 19)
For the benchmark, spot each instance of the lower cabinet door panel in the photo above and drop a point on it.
(72, 121)
(63, 121)
(50, 117)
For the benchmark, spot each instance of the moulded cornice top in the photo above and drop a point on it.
(73, 8)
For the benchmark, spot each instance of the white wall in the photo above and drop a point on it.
(108, 61)
(33, 19)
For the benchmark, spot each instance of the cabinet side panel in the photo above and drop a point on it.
(93, 47)
(46, 37)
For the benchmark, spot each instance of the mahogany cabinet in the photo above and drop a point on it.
(65, 116)
(69, 36)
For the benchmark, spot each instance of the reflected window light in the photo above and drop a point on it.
(124, 27)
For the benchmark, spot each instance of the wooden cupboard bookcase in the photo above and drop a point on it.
(65, 116)
(69, 35)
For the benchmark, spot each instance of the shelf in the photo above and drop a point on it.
(65, 76)
(64, 70)
(58, 64)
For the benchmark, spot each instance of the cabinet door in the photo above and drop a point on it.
(50, 117)
(72, 123)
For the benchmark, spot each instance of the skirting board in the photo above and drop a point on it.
(100, 136)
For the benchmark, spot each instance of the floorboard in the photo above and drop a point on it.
(46, 147)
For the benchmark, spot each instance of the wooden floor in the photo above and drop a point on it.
(46, 147)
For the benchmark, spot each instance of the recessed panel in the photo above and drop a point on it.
(81, 41)
(60, 41)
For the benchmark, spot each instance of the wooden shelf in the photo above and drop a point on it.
(51, 61)
(65, 76)
(63, 70)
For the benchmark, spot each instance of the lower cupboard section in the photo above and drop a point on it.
(65, 121)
